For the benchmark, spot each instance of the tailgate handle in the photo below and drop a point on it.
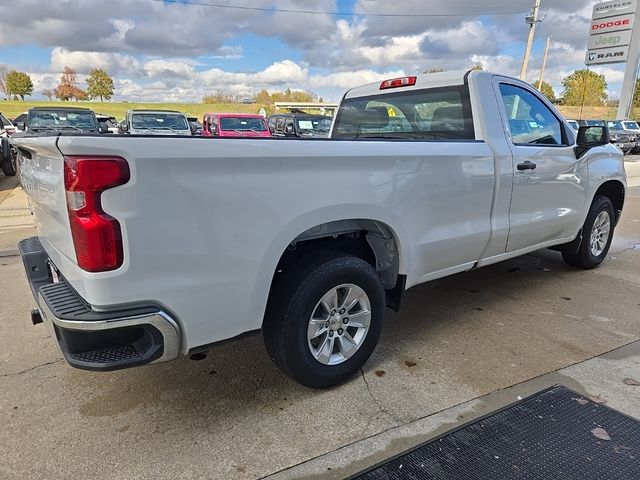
(527, 165)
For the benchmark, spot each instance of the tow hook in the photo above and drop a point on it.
(36, 316)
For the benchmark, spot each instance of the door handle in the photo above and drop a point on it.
(527, 165)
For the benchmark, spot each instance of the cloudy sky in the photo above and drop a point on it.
(160, 50)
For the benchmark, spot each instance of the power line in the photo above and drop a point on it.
(344, 14)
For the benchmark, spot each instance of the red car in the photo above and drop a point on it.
(234, 125)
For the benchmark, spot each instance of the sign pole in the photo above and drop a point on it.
(631, 72)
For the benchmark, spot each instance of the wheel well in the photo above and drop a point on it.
(370, 240)
(614, 190)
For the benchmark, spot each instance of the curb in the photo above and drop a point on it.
(9, 253)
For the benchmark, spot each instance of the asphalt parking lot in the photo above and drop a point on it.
(460, 347)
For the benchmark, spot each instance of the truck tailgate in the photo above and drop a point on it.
(42, 177)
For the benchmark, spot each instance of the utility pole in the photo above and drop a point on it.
(532, 20)
(631, 71)
(544, 62)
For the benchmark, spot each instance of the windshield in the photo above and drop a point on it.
(631, 125)
(615, 125)
(159, 121)
(594, 123)
(60, 119)
(4, 122)
(313, 124)
(575, 125)
(242, 124)
(109, 122)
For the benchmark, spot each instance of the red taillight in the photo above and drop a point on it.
(96, 236)
(398, 82)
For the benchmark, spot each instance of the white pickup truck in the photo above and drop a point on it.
(153, 247)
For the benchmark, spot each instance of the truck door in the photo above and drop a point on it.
(550, 184)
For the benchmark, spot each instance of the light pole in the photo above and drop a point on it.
(532, 20)
(544, 62)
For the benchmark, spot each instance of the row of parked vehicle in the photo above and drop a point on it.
(170, 122)
(625, 134)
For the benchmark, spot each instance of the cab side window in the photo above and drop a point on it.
(531, 122)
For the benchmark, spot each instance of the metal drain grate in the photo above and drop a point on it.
(549, 436)
(107, 355)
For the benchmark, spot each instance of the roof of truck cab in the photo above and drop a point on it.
(239, 115)
(425, 80)
(151, 110)
(65, 109)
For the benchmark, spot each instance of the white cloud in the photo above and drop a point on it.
(82, 62)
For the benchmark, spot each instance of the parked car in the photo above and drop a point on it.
(20, 120)
(234, 125)
(574, 124)
(299, 125)
(307, 244)
(109, 122)
(47, 120)
(624, 139)
(7, 159)
(196, 125)
(634, 127)
(62, 119)
(7, 128)
(155, 122)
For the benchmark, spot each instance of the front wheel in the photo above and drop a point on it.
(325, 319)
(597, 234)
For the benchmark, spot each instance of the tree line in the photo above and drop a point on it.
(15, 84)
(263, 97)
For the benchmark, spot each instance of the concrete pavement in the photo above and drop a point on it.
(460, 347)
(16, 221)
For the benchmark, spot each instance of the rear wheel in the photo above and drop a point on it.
(596, 237)
(324, 319)
(7, 159)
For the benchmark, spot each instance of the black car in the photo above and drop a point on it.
(56, 119)
(299, 125)
(49, 120)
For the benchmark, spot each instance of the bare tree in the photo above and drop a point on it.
(3, 83)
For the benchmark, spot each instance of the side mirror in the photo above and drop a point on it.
(124, 126)
(590, 136)
(193, 127)
(103, 128)
(288, 130)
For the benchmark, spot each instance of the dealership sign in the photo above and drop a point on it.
(612, 24)
(607, 55)
(606, 40)
(616, 7)
(610, 33)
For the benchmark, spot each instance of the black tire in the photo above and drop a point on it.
(7, 159)
(292, 304)
(584, 258)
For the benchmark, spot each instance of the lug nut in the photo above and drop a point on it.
(333, 312)
(345, 320)
(341, 311)
(331, 333)
(340, 331)
(326, 324)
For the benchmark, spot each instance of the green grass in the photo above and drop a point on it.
(600, 113)
(12, 108)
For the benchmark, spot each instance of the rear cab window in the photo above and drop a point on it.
(433, 114)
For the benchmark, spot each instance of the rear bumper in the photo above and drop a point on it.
(97, 340)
